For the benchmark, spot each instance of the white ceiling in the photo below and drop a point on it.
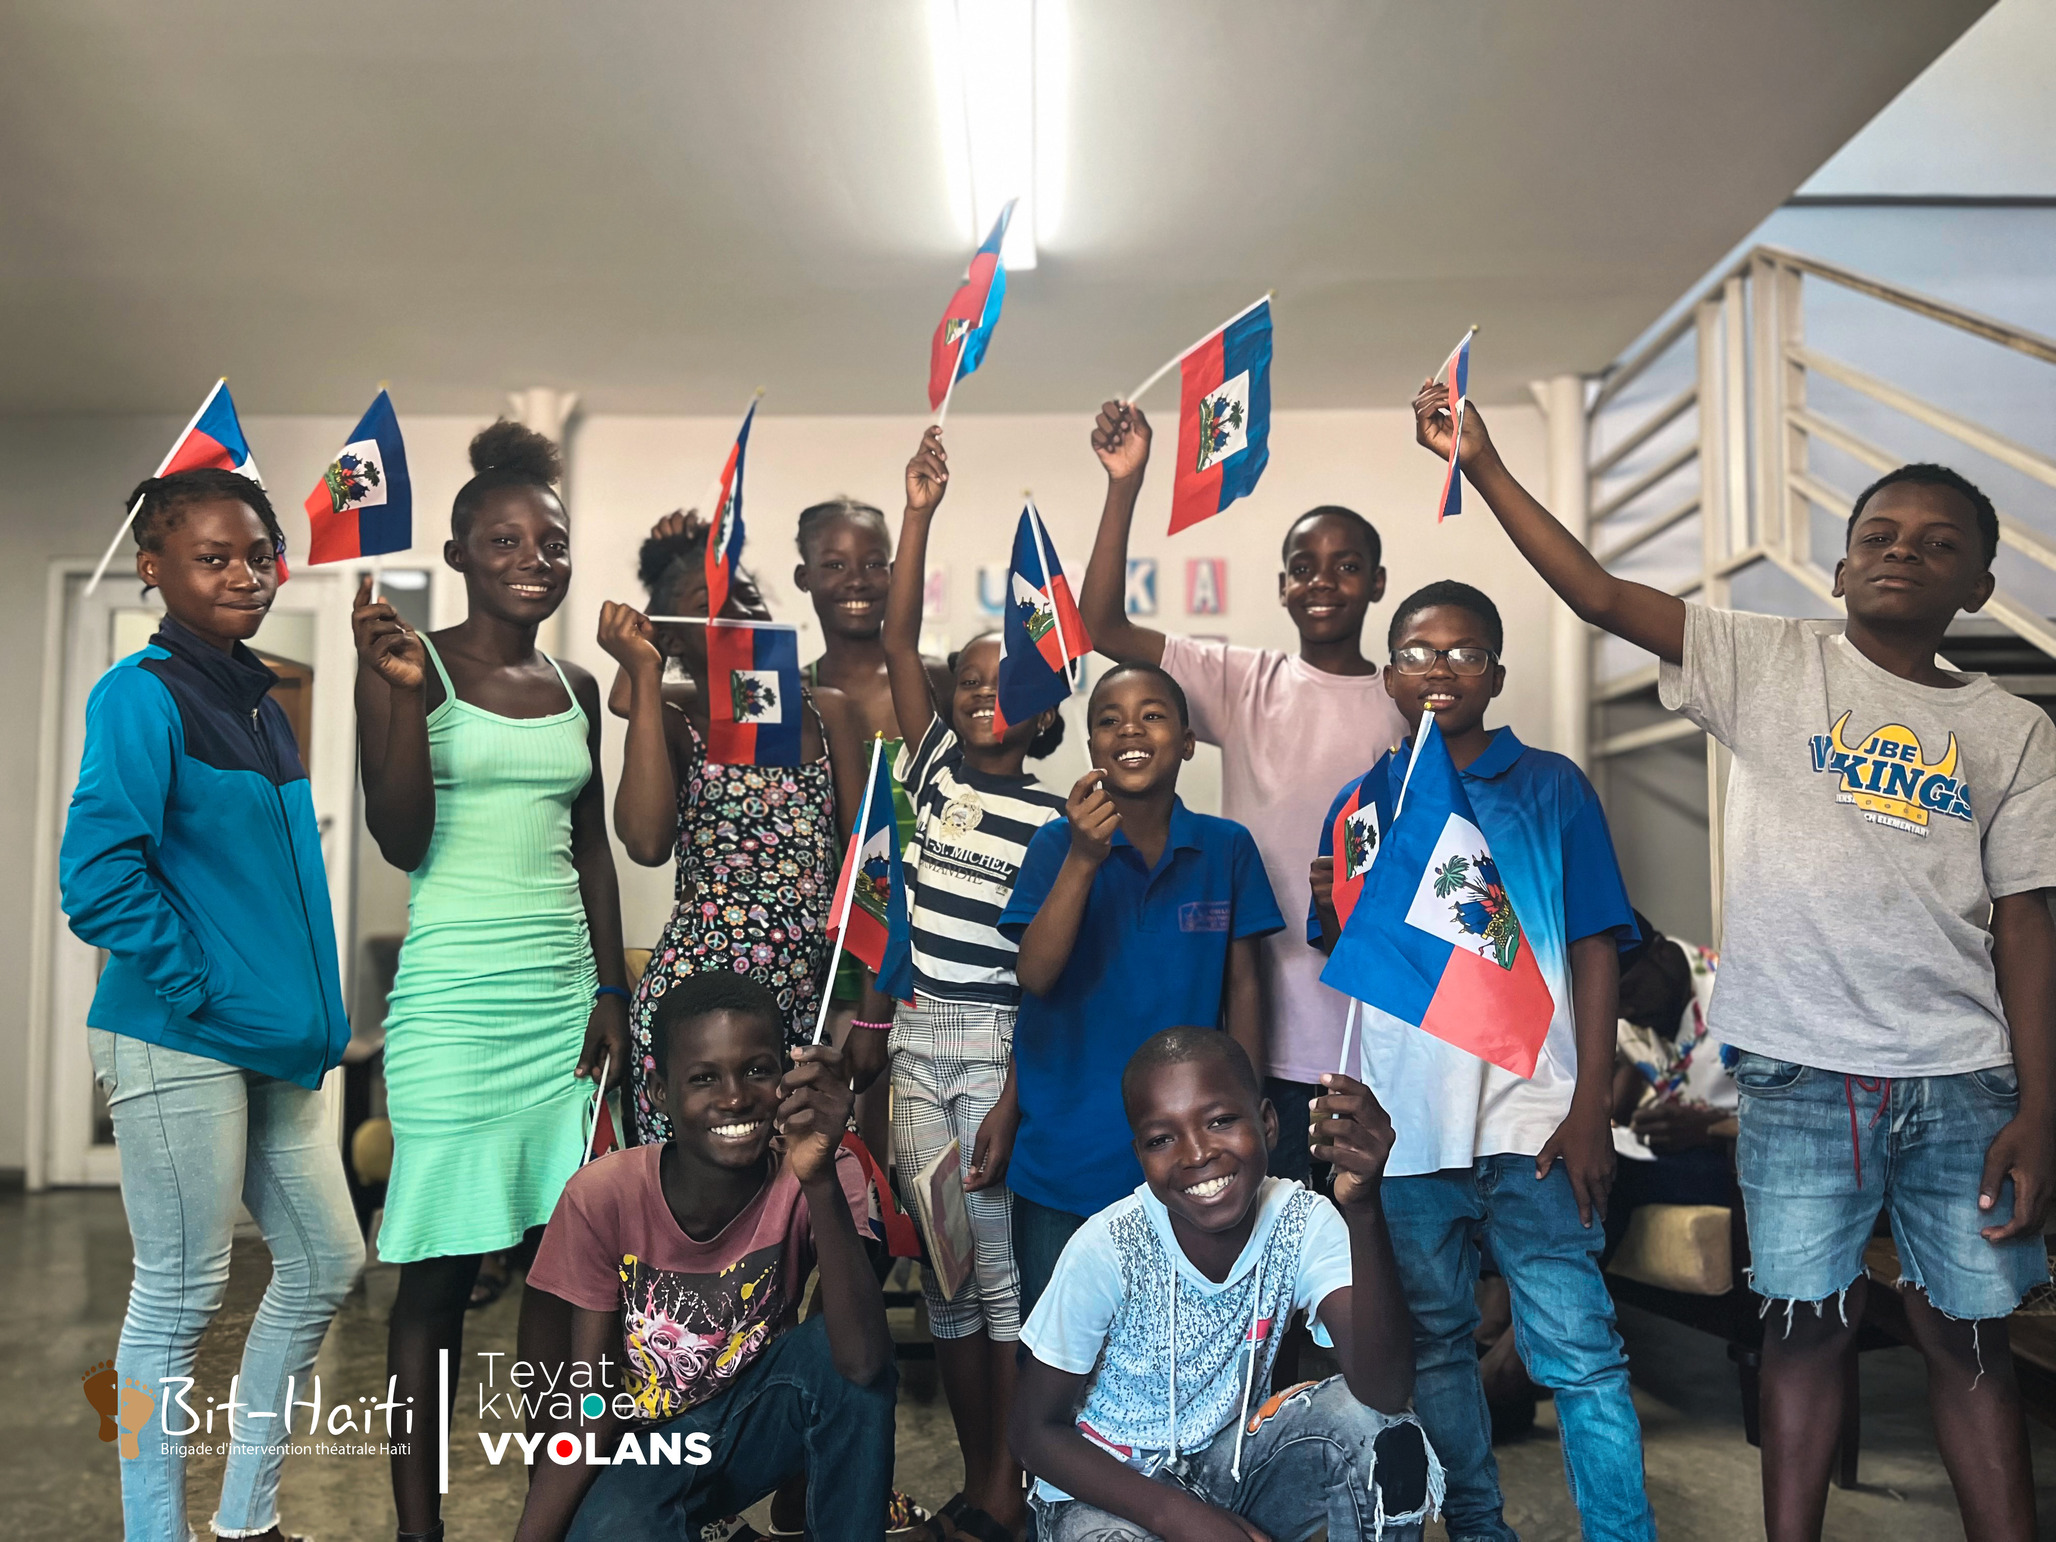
(663, 205)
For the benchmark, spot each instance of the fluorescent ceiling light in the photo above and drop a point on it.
(1000, 80)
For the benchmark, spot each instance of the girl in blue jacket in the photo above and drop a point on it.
(192, 856)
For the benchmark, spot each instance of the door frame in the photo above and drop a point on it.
(62, 969)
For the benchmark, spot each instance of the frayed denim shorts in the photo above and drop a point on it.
(1821, 1153)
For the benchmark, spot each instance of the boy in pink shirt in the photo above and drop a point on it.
(1288, 725)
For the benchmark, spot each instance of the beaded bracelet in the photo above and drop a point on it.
(858, 1022)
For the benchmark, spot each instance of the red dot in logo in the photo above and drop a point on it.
(564, 1446)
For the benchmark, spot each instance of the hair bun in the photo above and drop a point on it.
(508, 449)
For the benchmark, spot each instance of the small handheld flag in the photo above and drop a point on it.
(363, 506)
(869, 915)
(1434, 939)
(1042, 639)
(214, 438)
(1456, 369)
(753, 686)
(967, 321)
(724, 516)
(1354, 838)
(1224, 415)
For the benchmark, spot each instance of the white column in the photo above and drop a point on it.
(1562, 398)
(549, 411)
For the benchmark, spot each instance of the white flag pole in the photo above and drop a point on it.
(1136, 395)
(130, 518)
(842, 921)
(1350, 1022)
(751, 626)
(599, 1099)
(942, 412)
(378, 563)
(1056, 612)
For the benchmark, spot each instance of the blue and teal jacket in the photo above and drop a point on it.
(192, 855)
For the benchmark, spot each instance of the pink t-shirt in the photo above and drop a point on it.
(694, 1315)
(1290, 736)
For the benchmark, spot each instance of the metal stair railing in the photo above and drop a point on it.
(1709, 425)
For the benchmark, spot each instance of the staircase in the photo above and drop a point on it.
(1721, 461)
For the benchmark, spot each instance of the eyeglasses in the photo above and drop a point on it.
(1462, 661)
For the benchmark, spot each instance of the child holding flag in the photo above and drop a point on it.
(756, 846)
(1888, 967)
(1486, 1154)
(1291, 727)
(975, 811)
(1134, 914)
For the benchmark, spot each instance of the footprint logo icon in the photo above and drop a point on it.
(99, 1389)
(137, 1405)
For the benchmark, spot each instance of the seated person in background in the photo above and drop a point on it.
(1671, 1082)
(706, 1331)
(1162, 1318)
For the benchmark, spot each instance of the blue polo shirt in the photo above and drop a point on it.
(1152, 953)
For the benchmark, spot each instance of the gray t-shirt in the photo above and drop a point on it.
(1870, 824)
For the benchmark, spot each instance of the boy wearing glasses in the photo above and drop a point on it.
(1484, 1156)
(1289, 726)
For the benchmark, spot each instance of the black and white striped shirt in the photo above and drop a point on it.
(970, 832)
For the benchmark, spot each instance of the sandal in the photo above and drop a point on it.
(906, 1521)
(730, 1528)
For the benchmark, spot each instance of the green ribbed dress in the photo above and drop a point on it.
(495, 988)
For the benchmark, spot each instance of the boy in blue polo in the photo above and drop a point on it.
(1133, 915)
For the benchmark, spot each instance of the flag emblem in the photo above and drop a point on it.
(954, 329)
(354, 479)
(754, 694)
(1359, 841)
(1042, 637)
(1478, 905)
(1223, 419)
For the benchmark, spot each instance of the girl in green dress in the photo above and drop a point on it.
(482, 780)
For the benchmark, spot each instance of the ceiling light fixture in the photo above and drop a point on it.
(1000, 81)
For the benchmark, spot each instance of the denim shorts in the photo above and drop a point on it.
(1821, 1153)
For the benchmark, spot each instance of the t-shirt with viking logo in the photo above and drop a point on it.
(1870, 823)
(694, 1315)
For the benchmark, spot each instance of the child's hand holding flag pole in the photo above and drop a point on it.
(1456, 369)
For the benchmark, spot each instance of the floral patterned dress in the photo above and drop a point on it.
(756, 870)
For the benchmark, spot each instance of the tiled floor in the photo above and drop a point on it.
(64, 1271)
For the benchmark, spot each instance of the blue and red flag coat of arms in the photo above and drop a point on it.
(1224, 418)
(753, 689)
(363, 506)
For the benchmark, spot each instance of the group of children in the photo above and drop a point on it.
(1113, 1020)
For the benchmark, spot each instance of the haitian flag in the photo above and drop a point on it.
(1224, 418)
(753, 689)
(1433, 939)
(724, 519)
(968, 319)
(1457, 370)
(870, 908)
(363, 506)
(1041, 636)
(1352, 837)
(214, 438)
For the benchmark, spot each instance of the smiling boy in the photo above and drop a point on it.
(686, 1262)
(1133, 914)
(1290, 726)
(1888, 965)
(1143, 1408)
(1485, 1157)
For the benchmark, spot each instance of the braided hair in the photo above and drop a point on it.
(505, 454)
(817, 515)
(161, 503)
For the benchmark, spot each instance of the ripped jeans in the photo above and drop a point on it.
(1312, 1456)
(1821, 1153)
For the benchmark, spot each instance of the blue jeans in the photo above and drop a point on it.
(1313, 1456)
(196, 1138)
(1821, 1153)
(1562, 1326)
(792, 1409)
(1039, 1237)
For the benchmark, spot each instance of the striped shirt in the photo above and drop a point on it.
(970, 831)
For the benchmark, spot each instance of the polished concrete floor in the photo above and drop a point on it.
(64, 1272)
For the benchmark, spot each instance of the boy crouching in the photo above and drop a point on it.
(1165, 1313)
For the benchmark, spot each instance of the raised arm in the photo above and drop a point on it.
(1120, 438)
(927, 481)
(392, 728)
(646, 802)
(1646, 617)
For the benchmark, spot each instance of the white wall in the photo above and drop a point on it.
(61, 482)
